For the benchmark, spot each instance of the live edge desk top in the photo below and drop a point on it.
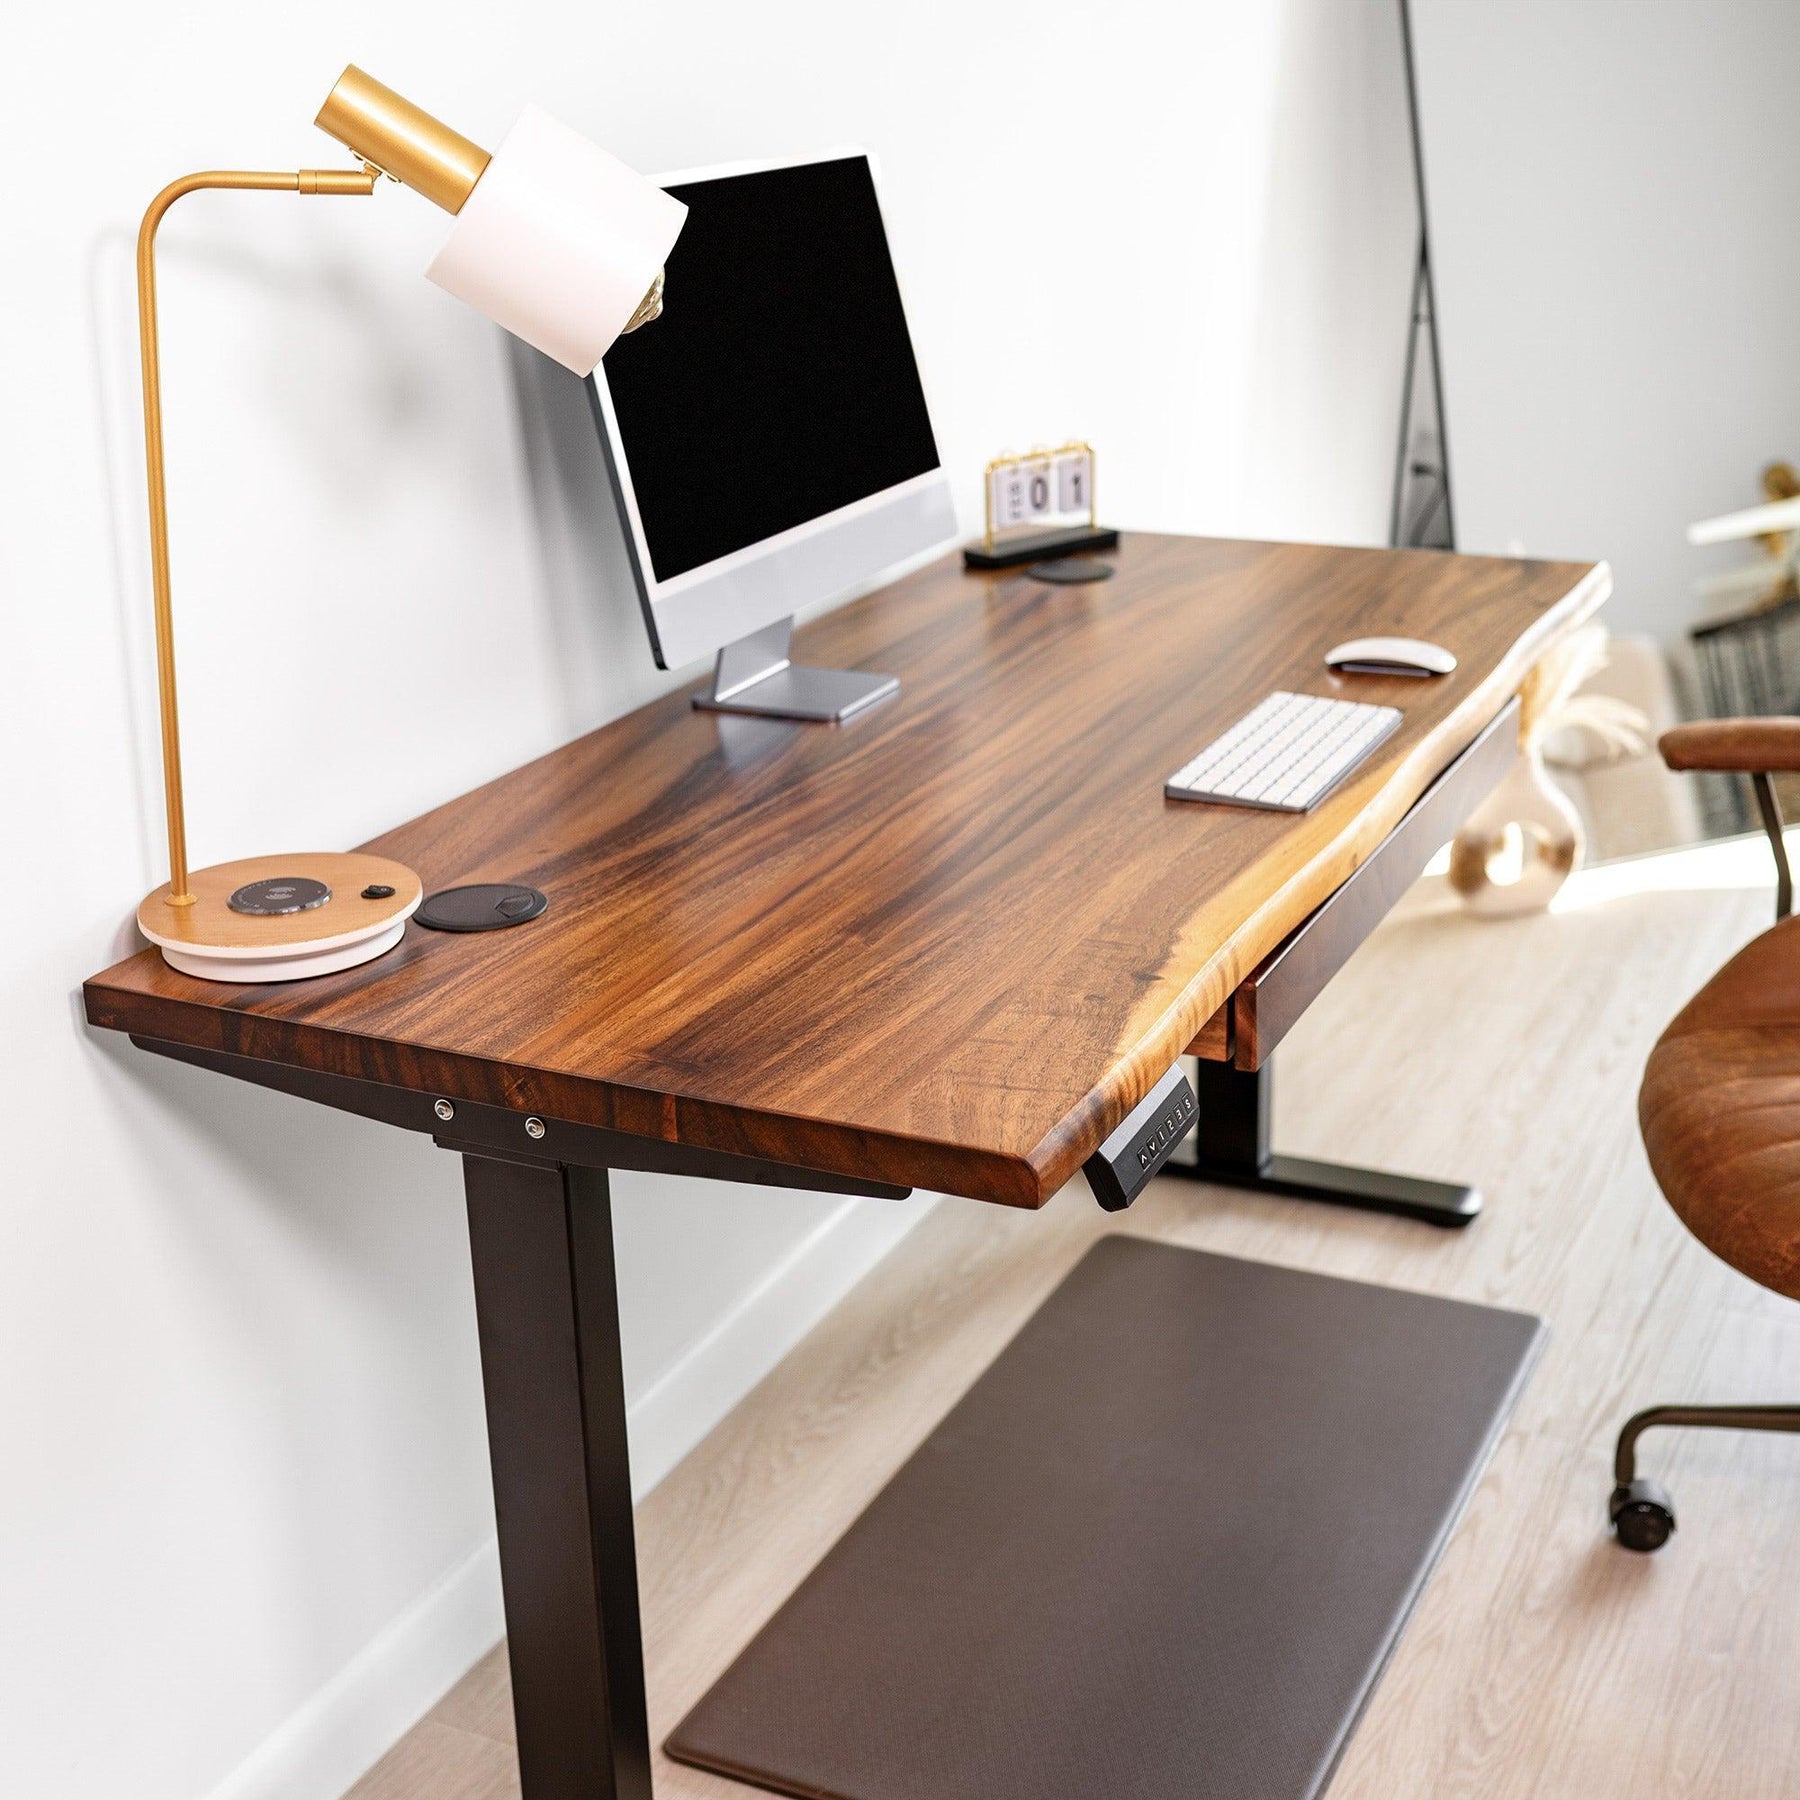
(947, 945)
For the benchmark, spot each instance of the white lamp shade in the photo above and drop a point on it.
(558, 242)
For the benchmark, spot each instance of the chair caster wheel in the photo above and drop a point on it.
(1642, 1515)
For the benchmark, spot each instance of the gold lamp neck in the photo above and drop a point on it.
(402, 140)
(291, 181)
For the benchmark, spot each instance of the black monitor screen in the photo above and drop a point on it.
(779, 383)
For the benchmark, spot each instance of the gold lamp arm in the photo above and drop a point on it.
(298, 181)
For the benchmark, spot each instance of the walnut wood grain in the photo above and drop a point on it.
(1214, 1041)
(946, 945)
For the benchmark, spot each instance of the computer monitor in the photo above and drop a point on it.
(768, 438)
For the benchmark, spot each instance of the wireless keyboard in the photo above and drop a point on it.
(1285, 755)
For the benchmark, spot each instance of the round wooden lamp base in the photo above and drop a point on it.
(296, 933)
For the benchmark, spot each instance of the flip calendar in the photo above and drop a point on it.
(1040, 491)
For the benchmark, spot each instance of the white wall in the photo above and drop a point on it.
(244, 1522)
(1612, 221)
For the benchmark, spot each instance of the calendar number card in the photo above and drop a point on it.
(1039, 505)
(1041, 489)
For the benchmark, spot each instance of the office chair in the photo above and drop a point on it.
(1720, 1109)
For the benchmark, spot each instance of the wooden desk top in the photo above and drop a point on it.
(948, 944)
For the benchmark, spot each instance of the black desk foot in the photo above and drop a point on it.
(1339, 1184)
(1230, 1146)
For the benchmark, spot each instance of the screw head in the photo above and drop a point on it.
(534, 1128)
(443, 1109)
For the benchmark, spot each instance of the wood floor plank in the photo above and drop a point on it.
(1542, 1660)
(437, 1760)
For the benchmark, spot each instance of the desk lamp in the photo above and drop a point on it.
(553, 239)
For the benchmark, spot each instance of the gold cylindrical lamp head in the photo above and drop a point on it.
(402, 140)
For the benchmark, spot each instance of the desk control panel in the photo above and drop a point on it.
(1121, 1168)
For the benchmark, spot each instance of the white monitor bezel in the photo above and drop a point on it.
(673, 648)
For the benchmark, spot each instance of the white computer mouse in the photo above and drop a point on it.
(1390, 656)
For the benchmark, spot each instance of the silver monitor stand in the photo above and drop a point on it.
(755, 675)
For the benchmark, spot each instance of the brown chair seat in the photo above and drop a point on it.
(1720, 1111)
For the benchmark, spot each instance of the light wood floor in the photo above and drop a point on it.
(1543, 1661)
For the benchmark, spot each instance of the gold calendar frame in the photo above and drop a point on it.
(1008, 460)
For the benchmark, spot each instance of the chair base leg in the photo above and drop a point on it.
(1640, 1510)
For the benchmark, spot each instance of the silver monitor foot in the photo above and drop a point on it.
(754, 675)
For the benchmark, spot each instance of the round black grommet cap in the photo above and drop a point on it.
(378, 890)
(1070, 571)
(486, 906)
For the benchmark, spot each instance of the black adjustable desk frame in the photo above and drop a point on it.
(1231, 1148)
(547, 1313)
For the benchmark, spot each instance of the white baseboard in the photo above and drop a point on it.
(401, 1673)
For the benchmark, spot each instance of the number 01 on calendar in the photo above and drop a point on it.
(1039, 505)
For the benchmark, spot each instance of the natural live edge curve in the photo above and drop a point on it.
(1144, 1057)
(296, 181)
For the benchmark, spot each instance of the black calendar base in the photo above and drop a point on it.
(1035, 546)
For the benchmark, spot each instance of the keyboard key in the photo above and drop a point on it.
(1286, 754)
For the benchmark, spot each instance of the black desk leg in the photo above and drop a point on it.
(548, 1313)
(1230, 1146)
